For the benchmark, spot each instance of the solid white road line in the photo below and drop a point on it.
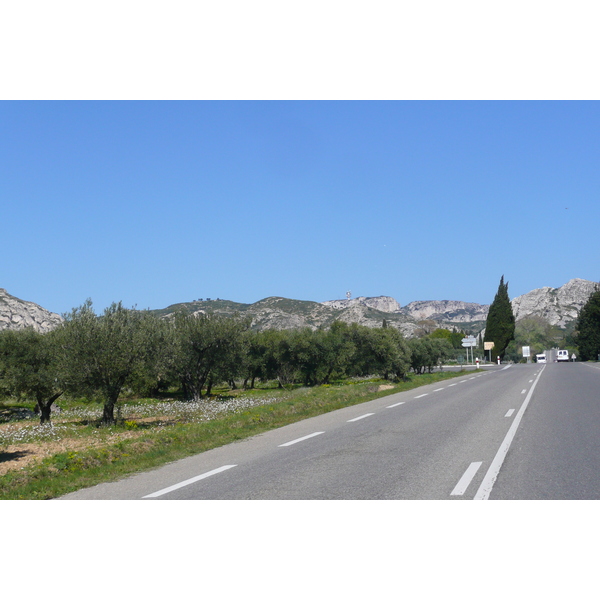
(301, 439)
(394, 405)
(465, 480)
(361, 417)
(485, 489)
(593, 366)
(188, 481)
(510, 412)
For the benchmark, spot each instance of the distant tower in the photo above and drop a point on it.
(348, 295)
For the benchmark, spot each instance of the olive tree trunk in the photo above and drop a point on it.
(45, 407)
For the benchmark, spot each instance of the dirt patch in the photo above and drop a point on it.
(385, 387)
(19, 456)
(16, 457)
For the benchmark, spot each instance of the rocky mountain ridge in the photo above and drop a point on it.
(452, 311)
(18, 314)
(559, 306)
(282, 313)
(448, 311)
(382, 303)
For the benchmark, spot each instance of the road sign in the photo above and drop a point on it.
(469, 342)
(488, 345)
(526, 352)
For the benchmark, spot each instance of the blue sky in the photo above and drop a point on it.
(158, 202)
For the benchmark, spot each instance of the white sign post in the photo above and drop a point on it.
(469, 342)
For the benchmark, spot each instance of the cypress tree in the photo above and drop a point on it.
(500, 324)
(588, 328)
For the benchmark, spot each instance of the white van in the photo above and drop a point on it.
(540, 358)
(562, 356)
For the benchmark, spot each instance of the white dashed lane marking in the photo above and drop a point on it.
(361, 417)
(189, 481)
(306, 437)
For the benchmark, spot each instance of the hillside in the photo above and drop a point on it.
(451, 311)
(283, 313)
(559, 306)
(18, 314)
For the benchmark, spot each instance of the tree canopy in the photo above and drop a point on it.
(100, 354)
(28, 368)
(588, 328)
(126, 351)
(208, 348)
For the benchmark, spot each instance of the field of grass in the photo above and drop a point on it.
(43, 462)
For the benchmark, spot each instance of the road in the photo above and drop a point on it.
(556, 451)
(507, 432)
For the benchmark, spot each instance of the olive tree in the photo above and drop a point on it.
(100, 354)
(28, 369)
(153, 374)
(379, 351)
(280, 359)
(307, 348)
(400, 363)
(208, 348)
(338, 350)
(427, 353)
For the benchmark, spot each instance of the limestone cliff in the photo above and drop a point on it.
(382, 303)
(449, 311)
(19, 314)
(558, 306)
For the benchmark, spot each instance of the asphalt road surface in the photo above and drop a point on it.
(507, 432)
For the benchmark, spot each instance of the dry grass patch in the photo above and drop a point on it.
(18, 456)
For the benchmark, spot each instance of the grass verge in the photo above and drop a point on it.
(69, 471)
